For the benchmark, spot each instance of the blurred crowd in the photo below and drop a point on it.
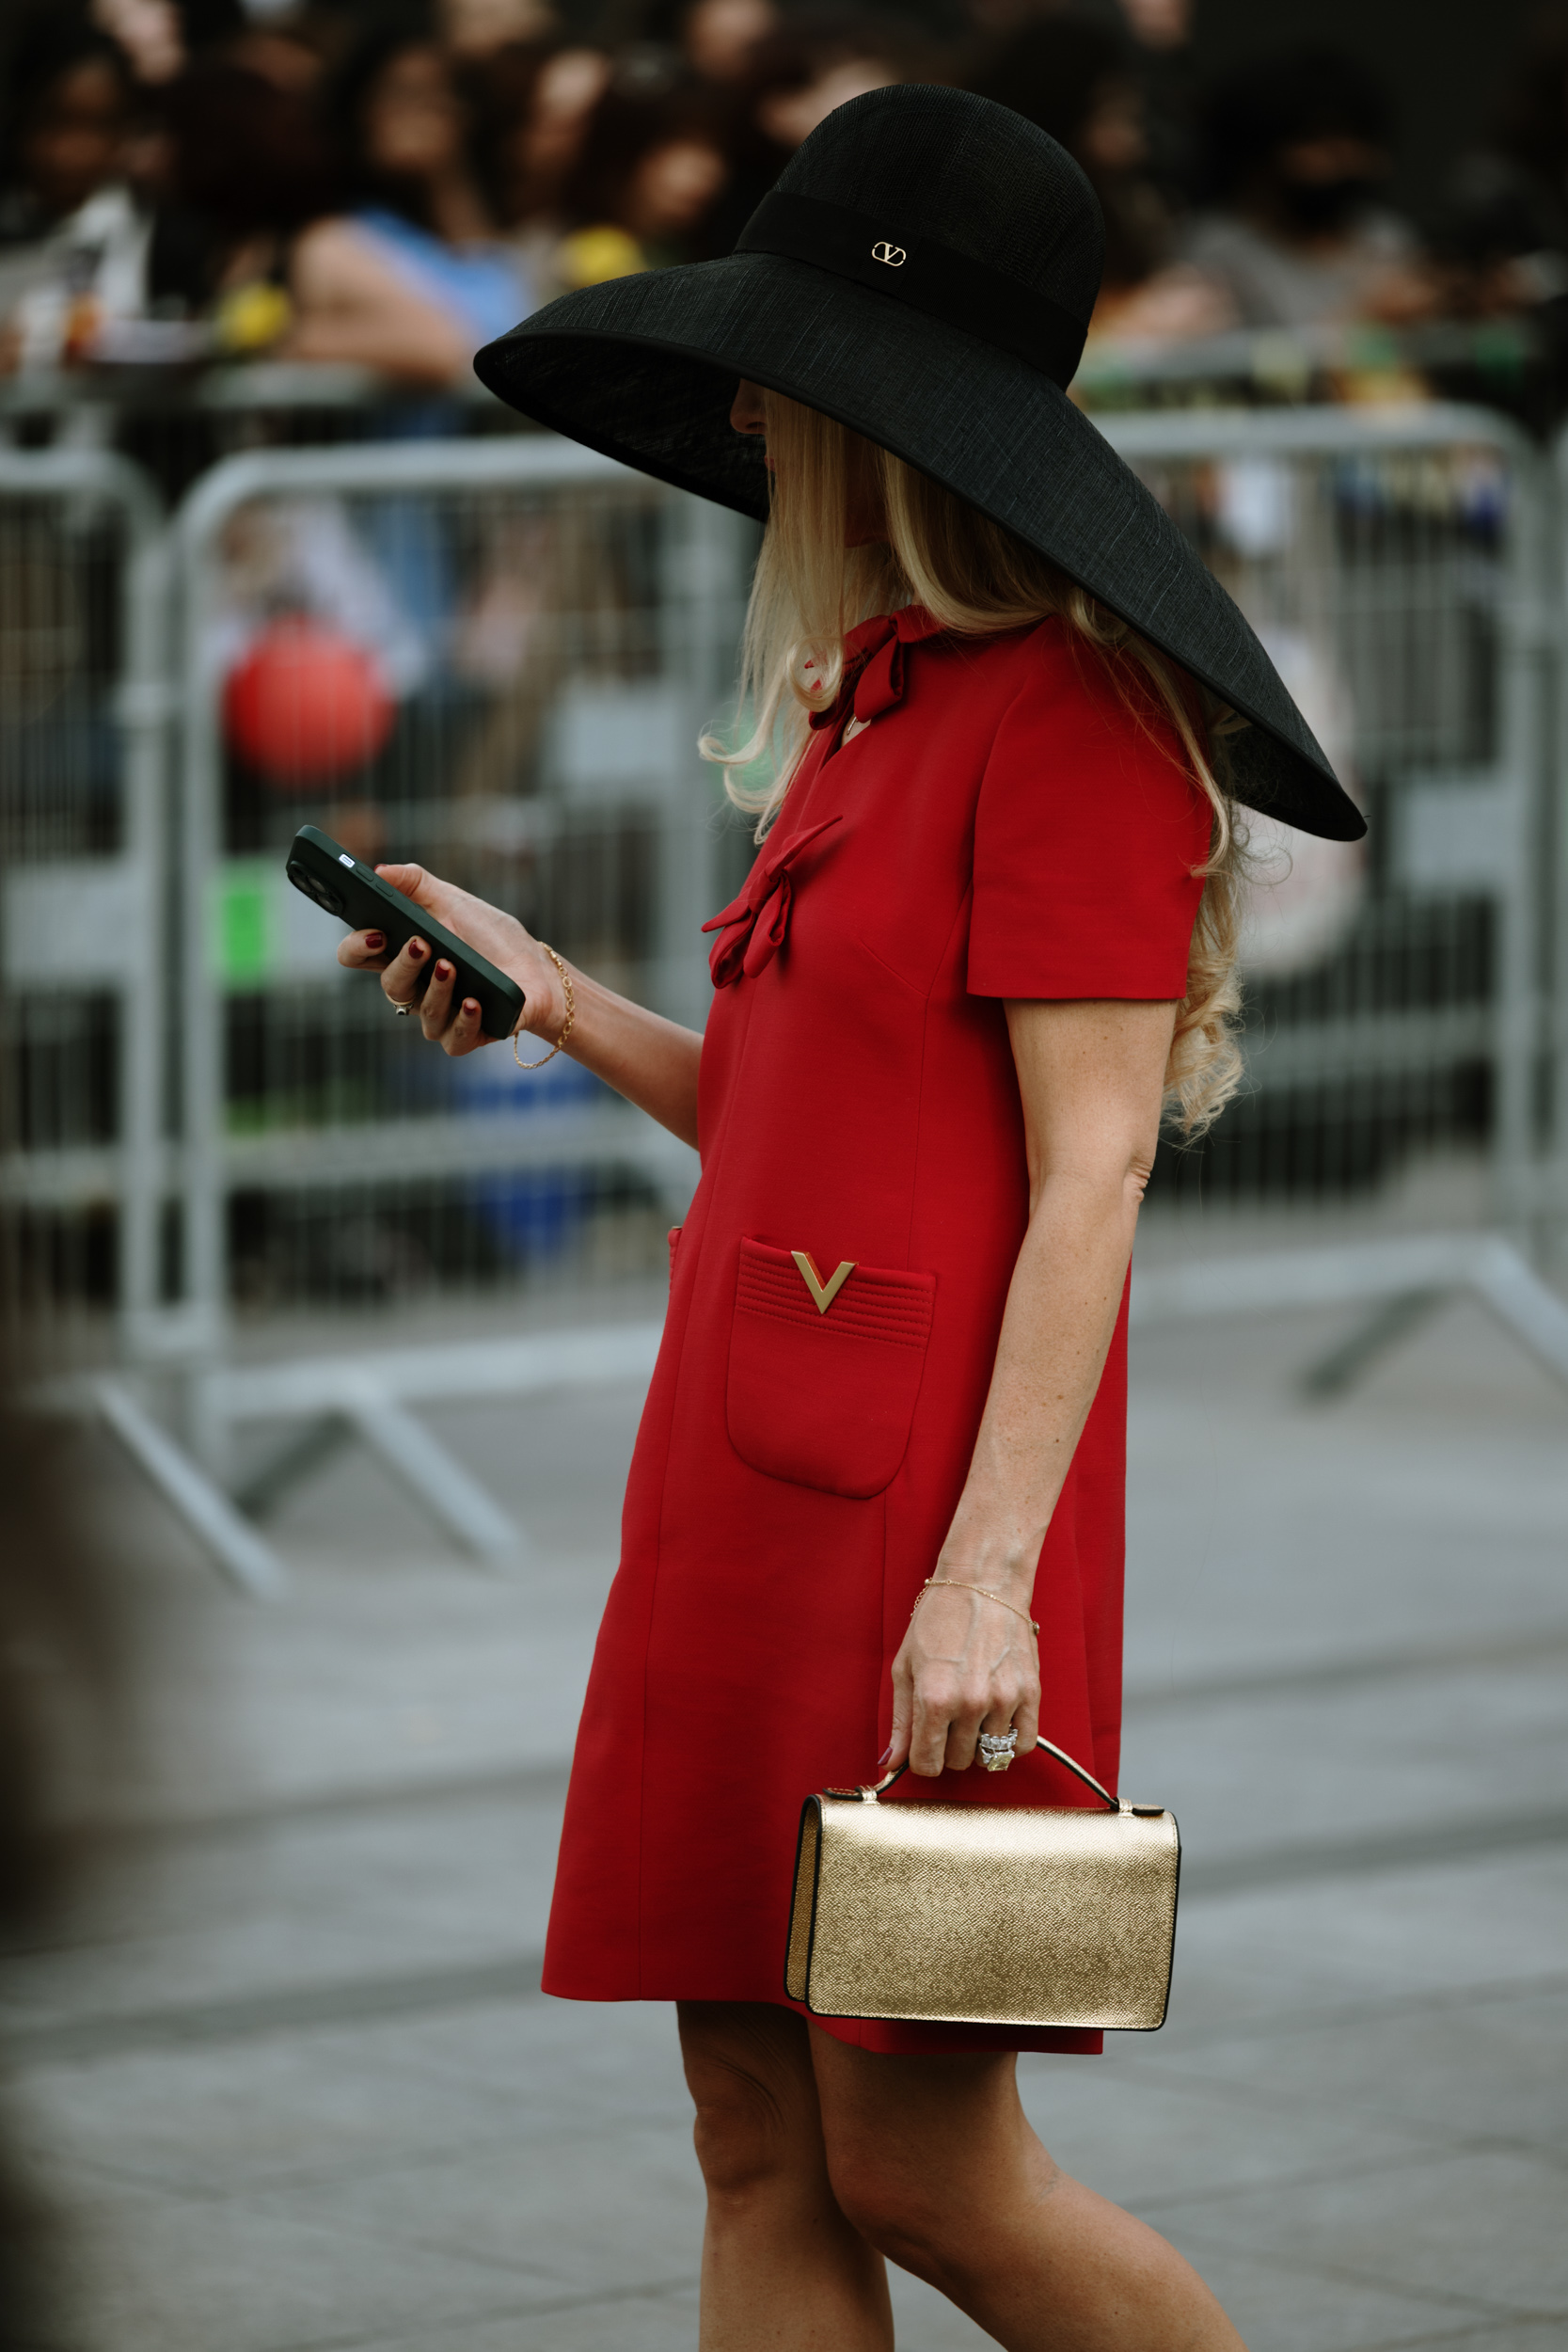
(391, 184)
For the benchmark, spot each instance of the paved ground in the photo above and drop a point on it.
(290, 2069)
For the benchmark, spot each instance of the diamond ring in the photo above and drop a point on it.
(997, 1749)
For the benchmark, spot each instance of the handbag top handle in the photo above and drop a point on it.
(869, 1791)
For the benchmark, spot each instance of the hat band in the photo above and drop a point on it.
(923, 273)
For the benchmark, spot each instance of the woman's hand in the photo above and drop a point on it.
(456, 1026)
(967, 1665)
(652, 1062)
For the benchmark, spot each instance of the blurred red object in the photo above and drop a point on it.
(307, 704)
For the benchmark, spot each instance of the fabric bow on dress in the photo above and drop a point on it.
(752, 927)
(874, 665)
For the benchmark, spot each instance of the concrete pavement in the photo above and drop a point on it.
(286, 2067)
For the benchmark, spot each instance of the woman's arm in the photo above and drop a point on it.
(650, 1060)
(1090, 1077)
(351, 305)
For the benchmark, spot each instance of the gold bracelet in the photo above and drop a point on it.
(566, 1026)
(984, 1592)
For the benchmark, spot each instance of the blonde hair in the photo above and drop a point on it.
(976, 578)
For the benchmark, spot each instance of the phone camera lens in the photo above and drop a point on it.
(313, 887)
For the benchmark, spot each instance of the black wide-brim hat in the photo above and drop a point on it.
(924, 271)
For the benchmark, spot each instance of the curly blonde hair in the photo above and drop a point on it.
(975, 578)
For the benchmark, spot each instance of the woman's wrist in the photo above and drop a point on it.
(986, 1595)
(545, 992)
(1002, 1566)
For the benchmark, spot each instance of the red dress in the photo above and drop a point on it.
(1007, 826)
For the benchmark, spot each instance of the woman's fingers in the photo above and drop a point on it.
(944, 1734)
(435, 1004)
(468, 1028)
(955, 1676)
(499, 936)
(457, 909)
(931, 1727)
(412, 978)
(363, 951)
(1011, 1701)
(1026, 1717)
(963, 1732)
(413, 882)
(402, 979)
(949, 1717)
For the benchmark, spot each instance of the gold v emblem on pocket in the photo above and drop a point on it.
(823, 1293)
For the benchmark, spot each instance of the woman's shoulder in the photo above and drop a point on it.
(1053, 668)
(1047, 683)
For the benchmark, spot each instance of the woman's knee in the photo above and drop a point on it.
(757, 2123)
(900, 2139)
(889, 2195)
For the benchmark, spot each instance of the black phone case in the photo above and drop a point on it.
(340, 884)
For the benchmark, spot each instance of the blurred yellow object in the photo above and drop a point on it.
(253, 316)
(590, 256)
(1379, 387)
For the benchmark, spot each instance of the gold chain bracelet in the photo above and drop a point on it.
(566, 1026)
(957, 1585)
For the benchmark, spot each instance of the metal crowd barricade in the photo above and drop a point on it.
(1556, 1084)
(83, 712)
(1397, 565)
(320, 1223)
(544, 635)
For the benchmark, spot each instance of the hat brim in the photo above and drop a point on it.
(644, 369)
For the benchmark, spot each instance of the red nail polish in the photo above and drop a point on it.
(374, 942)
(469, 1006)
(443, 972)
(415, 952)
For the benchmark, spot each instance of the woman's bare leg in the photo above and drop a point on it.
(782, 2270)
(935, 2163)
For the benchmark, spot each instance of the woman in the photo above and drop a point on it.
(413, 280)
(988, 931)
(71, 240)
(63, 123)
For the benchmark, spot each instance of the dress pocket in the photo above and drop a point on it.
(824, 1396)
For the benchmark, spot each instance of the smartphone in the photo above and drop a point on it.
(327, 872)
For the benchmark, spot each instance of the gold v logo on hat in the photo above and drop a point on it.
(893, 255)
(823, 1293)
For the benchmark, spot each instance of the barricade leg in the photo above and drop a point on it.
(223, 1534)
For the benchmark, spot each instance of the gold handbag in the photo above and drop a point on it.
(984, 1914)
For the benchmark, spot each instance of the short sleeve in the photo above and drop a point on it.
(1087, 832)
